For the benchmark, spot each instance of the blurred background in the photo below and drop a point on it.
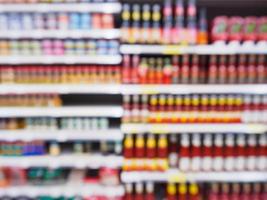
(133, 99)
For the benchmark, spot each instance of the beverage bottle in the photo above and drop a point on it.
(196, 153)
(184, 153)
(146, 17)
(202, 37)
(156, 34)
(171, 191)
(178, 33)
(136, 17)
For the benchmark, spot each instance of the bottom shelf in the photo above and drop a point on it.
(177, 176)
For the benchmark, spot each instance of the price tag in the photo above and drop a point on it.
(256, 128)
(159, 129)
(172, 50)
(148, 89)
(176, 177)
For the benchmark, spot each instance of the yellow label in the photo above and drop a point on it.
(172, 50)
(171, 189)
(178, 178)
(159, 129)
(148, 90)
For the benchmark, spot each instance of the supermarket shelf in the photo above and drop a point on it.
(177, 176)
(199, 89)
(214, 49)
(61, 88)
(71, 160)
(61, 135)
(37, 34)
(67, 111)
(61, 7)
(193, 128)
(133, 89)
(86, 59)
(63, 190)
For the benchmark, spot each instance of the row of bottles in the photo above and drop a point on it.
(55, 148)
(48, 123)
(60, 74)
(194, 69)
(239, 29)
(195, 108)
(196, 191)
(55, 21)
(55, 1)
(174, 22)
(59, 47)
(196, 152)
(42, 100)
(42, 176)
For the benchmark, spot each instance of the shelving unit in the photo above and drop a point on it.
(67, 190)
(72, 160)
(71, 111)
(176, 176)
(213, 49)
(66, 59)
(193, 128)
(61, 135)
(117, 135)
(61, 7)
(62, 34)
(134, 89)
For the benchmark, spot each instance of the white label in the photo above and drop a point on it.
(262, 163)
(229, 164)
(184, 164)
(207, 163)
(195, 164)
(251, 163)
(218, 163)
(240, 163)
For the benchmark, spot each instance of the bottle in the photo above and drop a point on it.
(146, 17)
(136, 17)
(150, 193)
(171, 191)
(207, 153)
(139, 191)
(252, 152)
(213, 70)
(182, 191)
(156, 35)
(184, 153)
(173, 157)
(151, 152)
(229, 153)
(191, 22)
(140, 151)
(202, 36)
(196, 155)
(194, 193)
(167, 22)
(129, 192)
(128, 152)
(175, 70)
(178, 33)
(195, 70)
(213, 193)
(241, 152)
(232, 72)
(162, 152)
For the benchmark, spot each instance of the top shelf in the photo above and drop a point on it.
(60, 7)
(213, 49)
